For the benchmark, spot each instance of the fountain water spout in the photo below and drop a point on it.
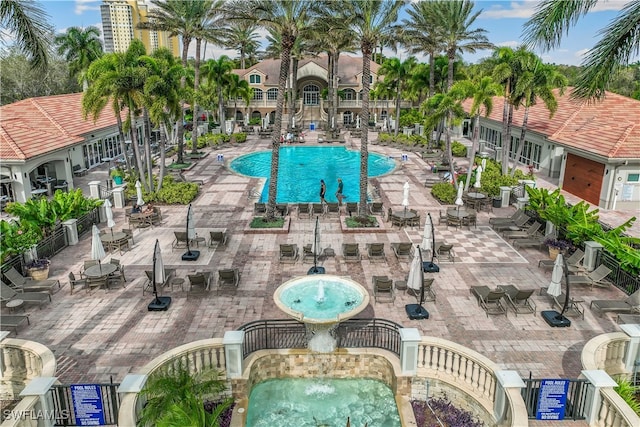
(320, 295)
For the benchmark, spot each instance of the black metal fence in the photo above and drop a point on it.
(576, 398)
(65, 414)
(285, 333)
(622, 279)
(53, 243)
(16, 261)
(85, 222)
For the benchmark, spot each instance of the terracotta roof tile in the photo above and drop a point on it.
(39, 125)
(610, 128)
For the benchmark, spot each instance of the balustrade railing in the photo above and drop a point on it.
(20, 362)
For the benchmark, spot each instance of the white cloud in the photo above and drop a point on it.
(581, 53)
(510, 43)
(525, 9)
(84, 5)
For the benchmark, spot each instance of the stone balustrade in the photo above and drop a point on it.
(20, 362)
(614, 411)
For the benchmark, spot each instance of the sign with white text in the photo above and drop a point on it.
(87, 404)
(552, 399)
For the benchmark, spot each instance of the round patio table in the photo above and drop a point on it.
(100, 270)
(404, 214)
(108, 237)
(457, 213)
(477, 196)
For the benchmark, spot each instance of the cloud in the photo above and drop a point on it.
(581, 53)
(525, 9)
(84, 5)
(510, 43)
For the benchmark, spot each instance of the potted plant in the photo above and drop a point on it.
(118, 175)
(556, 246)
(38, 269)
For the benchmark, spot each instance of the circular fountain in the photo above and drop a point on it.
(321, 302)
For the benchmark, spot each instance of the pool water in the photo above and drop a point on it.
(313, 402)
(321, 298)
(301, 169)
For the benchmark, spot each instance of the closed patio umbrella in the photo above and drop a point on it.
(478, 175)
(140, 201)
(97, 250)
(459, 201)
(415, 279)
(191, 235)
(405, 195)
(158, 277)
(427, 235)
(109, 213)
(555, 287)
(315, 248)
(552, 317)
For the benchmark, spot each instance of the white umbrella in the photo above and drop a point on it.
(315, 247)
(191, 225)
(97, 250)
(158, 268)
(415, 279)
(109, 213)
(459, 201)
(427, 235)
(405, 195)
(555, 287)
(478, 175)
(140, 201)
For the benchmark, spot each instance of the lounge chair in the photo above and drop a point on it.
(333, 209)
(383, 288)
(429, 294)
(377, 208)
(632, 319)
(573, 262)
(444, 250)
(317, 209)
(352, 208)
(288, 253)
(73, 282)
(180, 241)
(259, 208)
(629, 305)
(595, 278)
(351, 252)
(282, 209)
(229, 277)
(307, 253)
(148, 284)
(202, 279)
(13, 321)
(514, 225)
(7, 294)
(402, 250)
(20, 283)
(218, 238)
(519, 299)
(303, 210)
(490, 300)
(509, 219)
(523, 234)
(574, 308)
(531, 242)
(375, 251)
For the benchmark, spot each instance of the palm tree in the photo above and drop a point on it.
(80, 48)
(370, 21)
(397, 74)
(242, 36)
(218, 73)
(482, 93)
(288, 18)
(238, 88)
(27, 21)
(505, 71)
(616, 47)
(536, 82)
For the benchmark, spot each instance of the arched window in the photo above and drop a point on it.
(360, 95)
(311, 94)
(272, 94)
(347, 117)
(257, 94)
(256, 115)
(383, 115)
(349, 94)
(255, 79)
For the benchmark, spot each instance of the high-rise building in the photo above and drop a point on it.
(120, 19)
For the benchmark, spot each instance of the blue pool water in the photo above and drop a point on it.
(312, 402)
(321, 298)
(301, 169)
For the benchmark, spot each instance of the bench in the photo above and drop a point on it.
(79, 170)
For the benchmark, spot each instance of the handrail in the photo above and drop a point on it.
(21, 361)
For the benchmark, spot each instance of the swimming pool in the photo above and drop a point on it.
(301, 169)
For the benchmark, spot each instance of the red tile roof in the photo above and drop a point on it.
(35, 126)
(610, 128)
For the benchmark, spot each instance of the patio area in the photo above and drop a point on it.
(101, 335)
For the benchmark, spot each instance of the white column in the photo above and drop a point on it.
(597, 379)
(409, 340)
(505, 193)
(633, 349)
(232, 342)
(591, 250)
(40, 387)
(118, 197)
(550, 228)
(132, 383)
(506, 380)
(72, 230)
(94, 189)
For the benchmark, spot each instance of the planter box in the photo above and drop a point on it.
(283, 230)
(381, 228)
(38, 273)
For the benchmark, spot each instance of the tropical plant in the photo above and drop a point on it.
(17, 237)
(629, 393)
(618, 44)
(242, 37)
(444, 192)
(80, 47)
(117, 173)
(396, 74)
(218, 74)
(27, 22)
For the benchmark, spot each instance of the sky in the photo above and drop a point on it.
(503, 21)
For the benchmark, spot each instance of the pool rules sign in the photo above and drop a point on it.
(87, 404)
(552, 399)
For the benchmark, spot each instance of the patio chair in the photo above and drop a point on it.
(218, 238)
(573, 262)
(307, 253)
(13, 321)
(489, 300)
(282, 209)
(375, 251)
(202, 279)
(444, 250)
(429, 294)
(288, 253)
(148, 284)
(454, 221)
(574, 308)
(180, 241)
(86, 264)
(629, 305)
(402, 250)
(415, 221)
(514, 225)
(333, 209)
(629, 319)
(97, 282)
(7, 294)
(471, 219)
(351, 252)
(303, 210)
(519, 299)
(20, 283)
(118, 275)
(523, 234)
(383, 288)
(442, 217)
(129, 233)
(73, 282)
(259, 208)
(352, 208)
(595, 278)
(317, 209)
(377, 208)
(501, 219)
(229, 277)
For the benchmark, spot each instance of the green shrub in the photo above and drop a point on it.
(172, 192)
(17, 237)
(385, 137)
(240, 137)
(361, 221)
(492, 179)
(255, 121)
(260, 222)
(410, 117)
(445, 192)
(458, 149)
(629, 393)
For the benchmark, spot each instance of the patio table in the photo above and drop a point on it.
(100, 270)
(114, 240)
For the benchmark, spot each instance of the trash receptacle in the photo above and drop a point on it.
(497, 202)
(312, 126)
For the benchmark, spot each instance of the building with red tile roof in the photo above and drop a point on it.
(593, 148)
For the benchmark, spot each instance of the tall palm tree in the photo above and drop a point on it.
(505, 71)
(80, 47)
(288, 18)
(27, 21)
(370, 21)
(397, 74)
(242, 36)
(238, 88)
(482, 93)
(536, 83)
(218, 74)
(616, 47)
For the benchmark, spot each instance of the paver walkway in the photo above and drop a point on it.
(106, 335)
